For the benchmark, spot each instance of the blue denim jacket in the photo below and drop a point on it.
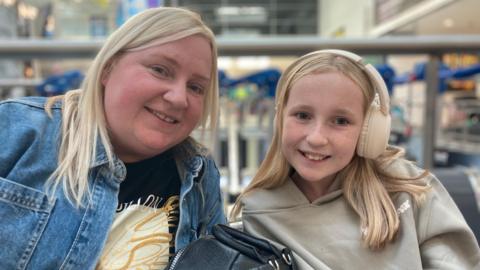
(41, 232)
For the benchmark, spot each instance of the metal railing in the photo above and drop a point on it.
(261, 45)
(433, 46)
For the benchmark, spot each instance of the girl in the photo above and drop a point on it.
(108, 176)
(332, 190)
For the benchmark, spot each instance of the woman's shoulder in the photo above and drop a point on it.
(30, 101)
(26, 106)
(25, 123)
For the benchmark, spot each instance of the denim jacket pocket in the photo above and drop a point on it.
(24, 213)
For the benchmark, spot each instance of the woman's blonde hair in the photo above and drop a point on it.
(366, 186)
(83, 119)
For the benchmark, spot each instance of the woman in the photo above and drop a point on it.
(108, 176)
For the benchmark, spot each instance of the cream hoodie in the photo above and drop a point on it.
(326, 233)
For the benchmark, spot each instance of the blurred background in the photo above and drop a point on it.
(426, 50)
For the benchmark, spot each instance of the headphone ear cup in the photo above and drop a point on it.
(373, 138)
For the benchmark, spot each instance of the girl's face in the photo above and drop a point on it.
(322, 122)
(154, 97)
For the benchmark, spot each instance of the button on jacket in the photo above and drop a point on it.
(47, 232)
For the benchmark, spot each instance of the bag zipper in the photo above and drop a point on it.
(176, 258)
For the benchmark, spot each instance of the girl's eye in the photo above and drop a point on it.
(197, 89)
(302, 115)
(162, 71)
(341, 121)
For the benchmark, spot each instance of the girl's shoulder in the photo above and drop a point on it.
(285, 196)
(404, 168)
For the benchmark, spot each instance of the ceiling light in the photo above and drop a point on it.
(448, 23)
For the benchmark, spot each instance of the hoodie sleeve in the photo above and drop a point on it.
(445, 239)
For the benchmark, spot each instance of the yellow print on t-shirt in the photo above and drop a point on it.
(139, 238)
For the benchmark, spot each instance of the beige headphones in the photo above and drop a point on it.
(373, 139)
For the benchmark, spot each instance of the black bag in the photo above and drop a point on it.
(229, 248)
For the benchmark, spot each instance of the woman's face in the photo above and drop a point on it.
(154, 97)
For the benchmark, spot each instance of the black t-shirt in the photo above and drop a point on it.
(147, 215)
(157, 175)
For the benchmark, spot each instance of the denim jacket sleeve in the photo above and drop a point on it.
(214, 202)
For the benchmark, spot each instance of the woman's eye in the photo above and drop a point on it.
(342, 121)
(302, 115)
(198, 89)
(163, 71)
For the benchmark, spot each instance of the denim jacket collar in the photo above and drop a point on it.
(101, 159)
(188, 158)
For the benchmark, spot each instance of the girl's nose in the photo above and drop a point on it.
(317, 136)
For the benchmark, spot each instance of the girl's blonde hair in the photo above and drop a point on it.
(83, 118)
(366, 186)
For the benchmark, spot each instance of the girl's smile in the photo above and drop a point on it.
(321, 129)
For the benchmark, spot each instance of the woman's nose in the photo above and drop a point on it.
(177, 96)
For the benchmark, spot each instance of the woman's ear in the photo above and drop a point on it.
(105, 75)
(106, 71)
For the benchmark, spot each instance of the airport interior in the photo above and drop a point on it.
(427, 51)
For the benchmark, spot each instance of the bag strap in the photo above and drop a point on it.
(250, 246)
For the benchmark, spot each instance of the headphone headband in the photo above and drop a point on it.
(375, 132)
(378, 82)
